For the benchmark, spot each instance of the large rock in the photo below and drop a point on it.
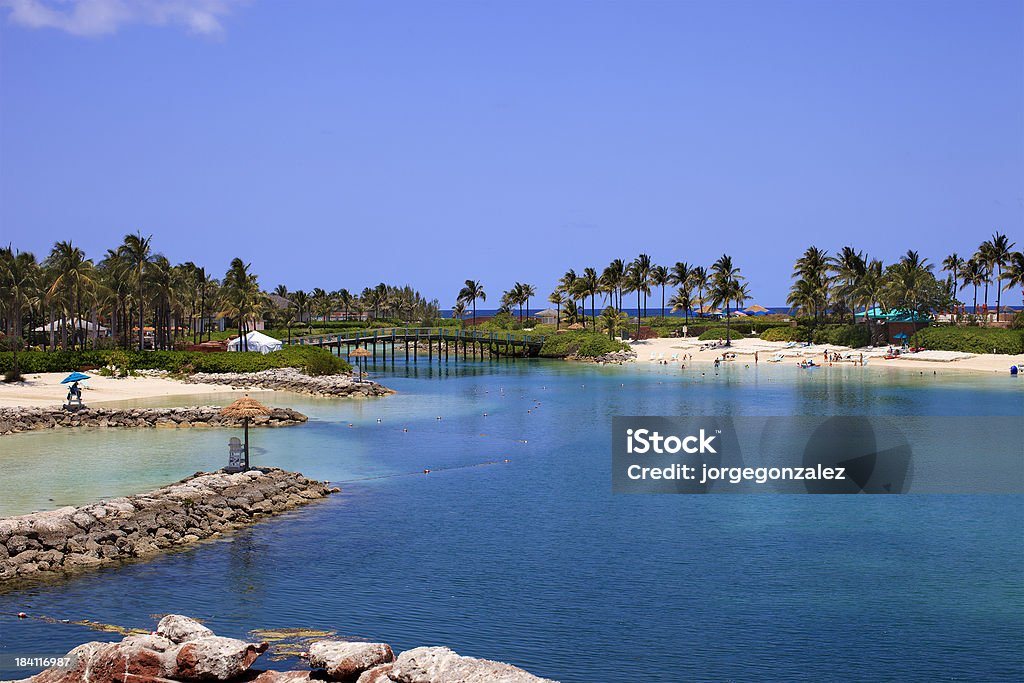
(344, 660)
(181, 629)
(441, 665)
(216, 658)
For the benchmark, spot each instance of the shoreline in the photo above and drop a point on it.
(744, 348)
(44, 390)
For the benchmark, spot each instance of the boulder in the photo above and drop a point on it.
(216, 658)
(441, 665)
(344, 660)
(181, 629)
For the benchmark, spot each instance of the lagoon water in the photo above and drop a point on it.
(534, 561)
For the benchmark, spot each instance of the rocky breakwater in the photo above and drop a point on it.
(613, 358)
(182, 649)
(290, 379)
(121, 529)
(14, 420)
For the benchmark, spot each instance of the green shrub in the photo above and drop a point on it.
(971, 339)
(853, 336)
(179, 362)
(1017, 323)
(12, 376)
(579, 343)
(324, 364)
(713, 333)
(785, 334)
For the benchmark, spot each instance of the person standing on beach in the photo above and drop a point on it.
(755, 357)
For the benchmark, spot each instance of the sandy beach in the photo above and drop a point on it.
(656, 350)
(45, 389)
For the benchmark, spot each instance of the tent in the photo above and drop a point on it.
(71, 323)
(255, 341)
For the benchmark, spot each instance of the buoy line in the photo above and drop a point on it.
(423, 471)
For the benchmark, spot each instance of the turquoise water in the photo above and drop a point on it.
(535, 562)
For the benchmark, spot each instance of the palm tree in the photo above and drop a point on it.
(812, 267)
(974, 275)
(19, 284)
(241, 296)
(681, 277)
(727, 286)
(301, 301)
(999, 253)
(458, 310)
(986, 257)
(954, 265)
(907, 284)
(635, 282)
(556, 298)
(1014, 273)
(589, 284)
(612, 279)
(136, 249)
(682, 301)
(568, 285)
(613, 321)
(848, 267)
(660, 278)
(700, 281)
(871, 290)
(643, 267)
(73, 279)
(470, 292)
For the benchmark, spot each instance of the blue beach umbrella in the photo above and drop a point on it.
(74, 377)
(901, 335)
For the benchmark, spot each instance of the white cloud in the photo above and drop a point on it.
(99, 17)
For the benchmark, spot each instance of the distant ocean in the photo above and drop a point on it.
(651, 311)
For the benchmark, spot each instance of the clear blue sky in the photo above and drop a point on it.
(341, 144)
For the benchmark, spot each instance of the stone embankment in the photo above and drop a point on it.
(290, 379)
(613, 358)
(182, 649)
(120, 529)
(14, 420)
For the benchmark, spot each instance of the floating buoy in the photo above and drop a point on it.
(507, 460)
(485, 414)
(426, 471)
(438, 417)
(405, 429)
(22, 615)
(350, 424)
(378, 420)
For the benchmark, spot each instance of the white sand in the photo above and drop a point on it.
(46, 390)
(940, 361)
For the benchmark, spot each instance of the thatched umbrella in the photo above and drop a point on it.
(576, 326)
(245, 408)
(361, 352)
(755, 309)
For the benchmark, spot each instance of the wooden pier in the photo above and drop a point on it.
(441, 342)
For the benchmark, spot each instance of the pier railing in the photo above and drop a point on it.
(391, 335)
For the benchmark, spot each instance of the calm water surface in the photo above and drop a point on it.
(534, 561)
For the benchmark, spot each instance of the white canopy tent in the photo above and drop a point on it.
(71, 323)
(255, 341)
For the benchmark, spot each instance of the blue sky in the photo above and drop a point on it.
(339, 144)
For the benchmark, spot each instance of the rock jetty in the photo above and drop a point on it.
(613, 358)
(182, 649)
(291, 379)
(111, 531)
(14, 420)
